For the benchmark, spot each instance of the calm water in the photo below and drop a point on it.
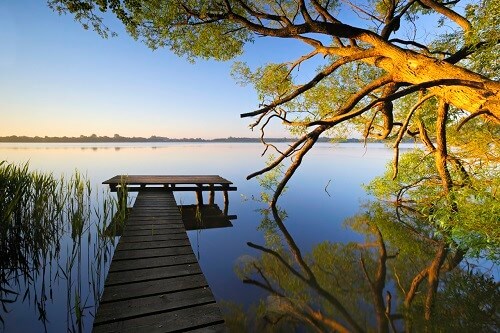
(324, 194)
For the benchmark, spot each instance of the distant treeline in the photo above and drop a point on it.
(118, 138)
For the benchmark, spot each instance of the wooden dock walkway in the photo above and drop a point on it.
(155, 283)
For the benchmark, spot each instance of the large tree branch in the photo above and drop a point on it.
(425, 85)
(452, 15)
(312, 137)
(441, 153)
(318, 78)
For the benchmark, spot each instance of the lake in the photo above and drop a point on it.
(321, 215)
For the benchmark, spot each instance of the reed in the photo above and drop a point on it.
(53, 229)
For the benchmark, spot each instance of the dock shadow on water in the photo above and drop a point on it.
(54, 249)
(199, 217)
(381, 284)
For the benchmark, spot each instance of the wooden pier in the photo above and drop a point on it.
(155, 283)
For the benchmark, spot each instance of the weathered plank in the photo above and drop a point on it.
(172, 223)
(150, 253)
(128, 265)
(138, 307)
(152, 231)
(210, 329)
(170, 321)
(147, 274)
(153, 245)
(153, 238)
(167, 179)
(155, 283)
(155, 287)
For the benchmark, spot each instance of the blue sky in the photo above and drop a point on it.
(58, 79)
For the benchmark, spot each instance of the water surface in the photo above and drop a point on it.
(324, 194)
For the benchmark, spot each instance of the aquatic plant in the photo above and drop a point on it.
(53, 229)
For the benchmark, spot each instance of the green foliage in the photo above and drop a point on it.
(270, 81)
(485, 20)
(164, 24)
(468, 214)
(416, 179)
(269, 181)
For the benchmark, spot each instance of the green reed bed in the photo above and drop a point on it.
(53, 230)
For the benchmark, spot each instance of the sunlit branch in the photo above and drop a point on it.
(202, 22)
(368, 126)
(391, 23)
(399, 94)
(405, 188)
(367, 89)
(418, 45)
(473, 115)
(402, 131)
(452, 15)
(441, 152)
(318, 78)
(262, 134)
(386, 109)
(424, 136)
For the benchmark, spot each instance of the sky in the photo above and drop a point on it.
(57, 79)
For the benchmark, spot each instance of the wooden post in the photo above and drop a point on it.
(226, 201)
(211, 195)
(199, 196)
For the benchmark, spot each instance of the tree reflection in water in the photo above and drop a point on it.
(403, 277)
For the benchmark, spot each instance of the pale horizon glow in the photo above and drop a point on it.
(61, 80)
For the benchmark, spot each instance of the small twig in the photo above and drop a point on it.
(327, 187)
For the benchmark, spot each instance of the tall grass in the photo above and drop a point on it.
(52, 229)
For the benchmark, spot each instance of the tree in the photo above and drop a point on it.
(372, 77)
(443, 91)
